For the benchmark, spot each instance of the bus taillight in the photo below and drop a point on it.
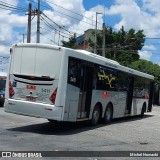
(53, 96)
(11, 91)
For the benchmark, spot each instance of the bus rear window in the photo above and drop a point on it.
(39, 62)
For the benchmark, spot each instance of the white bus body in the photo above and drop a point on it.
(62, 84)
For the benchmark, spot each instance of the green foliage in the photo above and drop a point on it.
(71, 43)
(147, 67)
(121, 46)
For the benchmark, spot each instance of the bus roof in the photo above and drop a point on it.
(86, 55)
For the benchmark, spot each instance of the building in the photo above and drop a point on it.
(82, 40)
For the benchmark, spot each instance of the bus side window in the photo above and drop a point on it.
(105, 79)
(121, 82)
(74, 72)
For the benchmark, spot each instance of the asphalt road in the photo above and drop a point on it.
(22, 133)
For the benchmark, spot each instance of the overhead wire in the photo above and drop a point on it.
(67, 14)
(48, 38)
(56, 23)
(51, 27)
(13, 3)
(72, 11)
(47, 23)
(8, 6)
(11, 6)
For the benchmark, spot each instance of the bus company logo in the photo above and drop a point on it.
(105, 94)
(6, 154)
(31, 87)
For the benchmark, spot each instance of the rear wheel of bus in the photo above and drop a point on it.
(95, 115)
(108, 114)
(143, 110)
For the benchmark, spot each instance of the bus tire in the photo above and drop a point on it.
(108, 115)
(143, 110)
(95, 116)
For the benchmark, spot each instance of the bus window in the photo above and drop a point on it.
(121, 81)
(106, 78)
(74, 72)
(141, 87)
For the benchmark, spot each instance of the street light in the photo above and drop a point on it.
(95, 40)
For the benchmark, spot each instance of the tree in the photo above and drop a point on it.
(121, 46)
(147, 67)
(71, 43)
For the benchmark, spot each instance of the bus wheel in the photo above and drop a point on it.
(95, 116)
(143, 110)
(108, 114)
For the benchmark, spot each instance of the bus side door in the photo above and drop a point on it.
(129, 95)
(85, 95)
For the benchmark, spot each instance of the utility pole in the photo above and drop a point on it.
(29, 23)
(95, 40)
(104, 41)
(60, 27)
(84, 44)
(38, 22)
(59, 34)
(23, 36)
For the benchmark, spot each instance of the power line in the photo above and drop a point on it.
(49, 30)
(63, 14)
(72, 12)
(54, 27)
(54, 33)
(65, 9)
(56, 23)
(15, 4)
(67, 14)
(48, 38)
(7, 5)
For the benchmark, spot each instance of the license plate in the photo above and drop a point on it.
(30, 98)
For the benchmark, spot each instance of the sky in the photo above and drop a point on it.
(60, 19)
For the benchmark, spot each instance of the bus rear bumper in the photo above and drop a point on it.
(33, 109)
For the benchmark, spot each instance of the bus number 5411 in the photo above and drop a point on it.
(44, 90)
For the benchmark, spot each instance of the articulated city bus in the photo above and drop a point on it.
(62, 84)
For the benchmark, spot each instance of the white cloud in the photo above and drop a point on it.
(89, 21)
(75, 23)
(137, 14)
(2, 48)
(133, 15)
(8, 33)
(145, 55)
(129, 11)
(151, 6)
(67, 9)
(149, 47)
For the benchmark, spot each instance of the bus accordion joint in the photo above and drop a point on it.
(11, 90)
(53, 96)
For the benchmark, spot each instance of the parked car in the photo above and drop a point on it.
(3, 77)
